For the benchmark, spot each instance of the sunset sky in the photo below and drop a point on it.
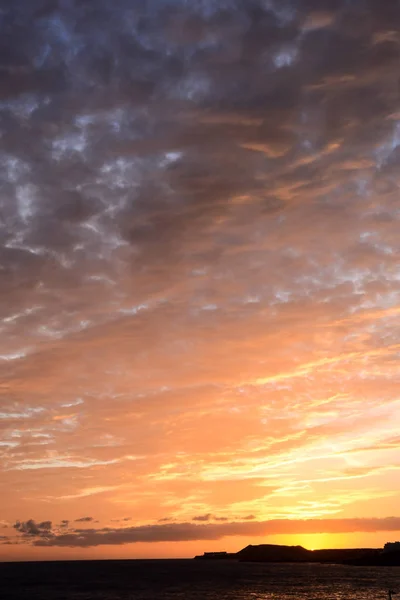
(199, 276)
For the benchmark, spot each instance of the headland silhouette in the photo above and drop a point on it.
(389, 555)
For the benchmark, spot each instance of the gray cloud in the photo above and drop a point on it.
(200, 518)
(84, 520)
(133, 182)
(209, 517)
(64, 523)
(31, 528)
(188, 531)
(109, 198)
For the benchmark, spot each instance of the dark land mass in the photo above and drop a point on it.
(272, 553)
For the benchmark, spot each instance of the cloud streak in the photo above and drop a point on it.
(181, 532)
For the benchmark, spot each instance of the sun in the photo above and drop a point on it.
(310, 541)
(317, 541)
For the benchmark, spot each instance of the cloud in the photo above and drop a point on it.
(90, 491)
(209, 517)
(179, 532)
(200, 518)
(318, 20)
(31, 528)
(84, 520)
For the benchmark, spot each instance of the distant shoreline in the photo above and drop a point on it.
(270, 553)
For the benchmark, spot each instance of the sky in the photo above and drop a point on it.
(199, 276)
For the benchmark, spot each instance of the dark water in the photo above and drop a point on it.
(188, 579)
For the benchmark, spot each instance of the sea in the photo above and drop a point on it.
(193, 580)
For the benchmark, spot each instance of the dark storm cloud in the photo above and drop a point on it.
(178, 532)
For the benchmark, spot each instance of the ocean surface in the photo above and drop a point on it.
(189, 579)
